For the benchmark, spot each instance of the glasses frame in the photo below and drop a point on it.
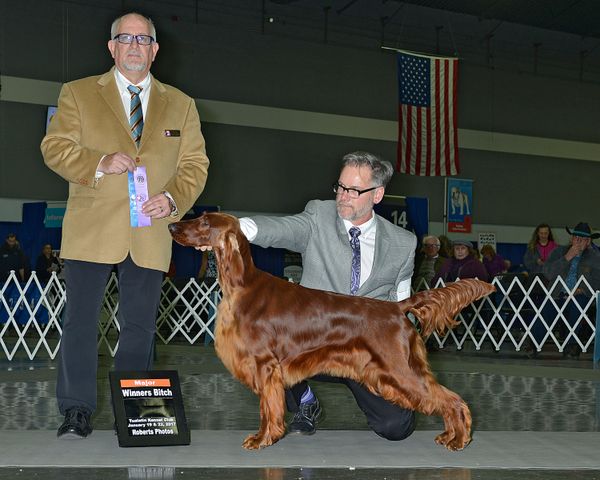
(137, 39)
(336, 186)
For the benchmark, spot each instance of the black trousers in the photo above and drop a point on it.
(139, 296)
(384, 418)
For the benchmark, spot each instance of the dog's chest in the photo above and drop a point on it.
(229, 346)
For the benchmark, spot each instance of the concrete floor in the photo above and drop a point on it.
(532, 419)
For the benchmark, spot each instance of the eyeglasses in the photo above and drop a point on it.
(127, 38)
(437, 245)
(352, 192)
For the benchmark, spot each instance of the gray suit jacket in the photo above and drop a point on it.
(318, 233)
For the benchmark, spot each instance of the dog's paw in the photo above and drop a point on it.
(251, 442)
(256, 442)
(443, 438)
(451, 441)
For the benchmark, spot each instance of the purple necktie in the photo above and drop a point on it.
(355, 244)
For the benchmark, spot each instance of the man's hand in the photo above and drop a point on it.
(116, 164)
(578, 245)
(157, 206)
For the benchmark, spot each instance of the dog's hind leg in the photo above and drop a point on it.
(268, 385)
(423, 394)
(408, 382)
(457, 421)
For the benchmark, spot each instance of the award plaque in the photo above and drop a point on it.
(148, 408)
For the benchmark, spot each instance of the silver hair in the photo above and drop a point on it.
(114, 28)
(381, 170)
(430, 237)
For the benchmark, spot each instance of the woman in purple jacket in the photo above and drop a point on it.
(494, 263)
(462, 264)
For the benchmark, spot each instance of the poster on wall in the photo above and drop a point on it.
(459, 205)
(49, 115)
(54, 216)
(486, 238)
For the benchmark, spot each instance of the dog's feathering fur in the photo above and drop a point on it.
(271, 334)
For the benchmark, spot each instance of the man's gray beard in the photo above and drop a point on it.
(135, 67)
(355, 213)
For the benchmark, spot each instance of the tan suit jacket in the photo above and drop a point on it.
(91, 122)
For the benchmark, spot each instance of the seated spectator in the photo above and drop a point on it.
(445, 246)
(539, 248)
(11, 258)
(463, 264)
(427, 262)
(570, 263)
(493, 262)
(46, 264)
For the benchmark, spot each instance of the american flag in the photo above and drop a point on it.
(427, 132)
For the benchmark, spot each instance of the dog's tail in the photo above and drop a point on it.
(436, 308)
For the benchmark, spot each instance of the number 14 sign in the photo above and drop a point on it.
(410, 213)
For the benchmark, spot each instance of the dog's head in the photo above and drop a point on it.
(222, 233)
(208, 230)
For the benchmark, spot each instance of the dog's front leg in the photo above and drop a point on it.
(269, 386)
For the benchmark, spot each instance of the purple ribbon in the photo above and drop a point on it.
(138, 194)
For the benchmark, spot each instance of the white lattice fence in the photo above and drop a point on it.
(187, 310)
(30, 316)
(517, 315)
(527, 315)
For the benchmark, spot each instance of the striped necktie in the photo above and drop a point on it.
(355, 244)
(136, 117)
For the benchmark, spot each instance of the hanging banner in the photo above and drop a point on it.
(410, 213)
(459, 204)
(54, 217)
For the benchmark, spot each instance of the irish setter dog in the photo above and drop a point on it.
(271, 334)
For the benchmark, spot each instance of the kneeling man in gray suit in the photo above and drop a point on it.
(346, 248)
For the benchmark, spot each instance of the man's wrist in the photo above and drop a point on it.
(172, 203)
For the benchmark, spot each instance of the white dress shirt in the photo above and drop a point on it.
(123, 83)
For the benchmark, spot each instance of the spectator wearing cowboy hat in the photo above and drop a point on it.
(571, 262)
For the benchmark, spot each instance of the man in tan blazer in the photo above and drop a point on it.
(91, 144)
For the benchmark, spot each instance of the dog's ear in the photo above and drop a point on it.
(233, 263)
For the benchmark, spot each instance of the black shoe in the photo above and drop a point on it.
(533, 353)
(571, 354)
(531, 350)
(305, 420)
(76, 425)
(574, 352)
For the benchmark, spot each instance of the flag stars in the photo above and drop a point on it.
(414, 80)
